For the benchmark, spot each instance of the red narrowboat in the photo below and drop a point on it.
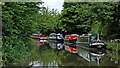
(71, 38)
(42, 37)
(38, 36)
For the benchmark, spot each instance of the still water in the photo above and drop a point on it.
(52, 53)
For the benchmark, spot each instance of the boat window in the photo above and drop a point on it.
(83, 39)
(101, 38)
(58, 35)
(61, 36)
(93, 37)
(55, 35)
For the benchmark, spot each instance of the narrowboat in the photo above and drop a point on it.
(42, 37)
(71, 38)
(91, 40)
(57, 37)
(38, 36)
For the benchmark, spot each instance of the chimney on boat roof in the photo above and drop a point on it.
(89, 34)
(83, 34)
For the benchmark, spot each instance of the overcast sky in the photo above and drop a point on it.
(56, 4)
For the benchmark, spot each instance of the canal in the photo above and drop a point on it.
(51, 53)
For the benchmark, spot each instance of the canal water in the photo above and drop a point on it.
(52, 53)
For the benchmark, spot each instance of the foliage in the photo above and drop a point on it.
(48, 21)
(91, 17)
(18, 25)
(22, 19)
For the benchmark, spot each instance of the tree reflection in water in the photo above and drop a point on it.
(55, 54)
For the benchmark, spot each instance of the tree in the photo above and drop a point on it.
(48, 21)
(18, 25)
(91, 17)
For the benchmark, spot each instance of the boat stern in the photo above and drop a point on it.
(99, 45)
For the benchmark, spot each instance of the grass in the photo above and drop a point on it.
(114, 46)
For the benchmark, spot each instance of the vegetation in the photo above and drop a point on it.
(82, 17)
(17, 28)
(21, 19)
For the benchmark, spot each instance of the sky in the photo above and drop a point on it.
(56, 4)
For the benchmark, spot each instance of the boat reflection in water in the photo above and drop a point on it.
(71, 48)
(91, 54)
(40, 42)
(56, 45)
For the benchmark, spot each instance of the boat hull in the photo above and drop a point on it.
(56, 40)
(70, 41)
(87, 44)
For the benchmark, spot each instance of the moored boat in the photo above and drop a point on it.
(42, 37)
(71, 38)
(38, 36)
(56, 37)
(91, 40)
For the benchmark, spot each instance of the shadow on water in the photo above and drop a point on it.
(60, 54)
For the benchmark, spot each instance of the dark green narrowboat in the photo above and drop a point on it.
(91, 40)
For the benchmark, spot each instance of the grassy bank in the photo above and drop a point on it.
(18, 53)
(31, 54)
(114, 46)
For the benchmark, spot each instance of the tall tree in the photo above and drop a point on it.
(18, 25)
(91, 17)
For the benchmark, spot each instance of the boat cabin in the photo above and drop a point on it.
(42, 37)
(38, 36)
(71, 38)
(91, 40)
(54, 36)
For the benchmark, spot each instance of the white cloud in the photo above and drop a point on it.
(56, 4)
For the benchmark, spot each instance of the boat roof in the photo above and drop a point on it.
(35, 34)
(55, 34)
(88, 34)
(74, 34)
(69, 35)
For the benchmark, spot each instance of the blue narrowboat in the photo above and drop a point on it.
(57, 37)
